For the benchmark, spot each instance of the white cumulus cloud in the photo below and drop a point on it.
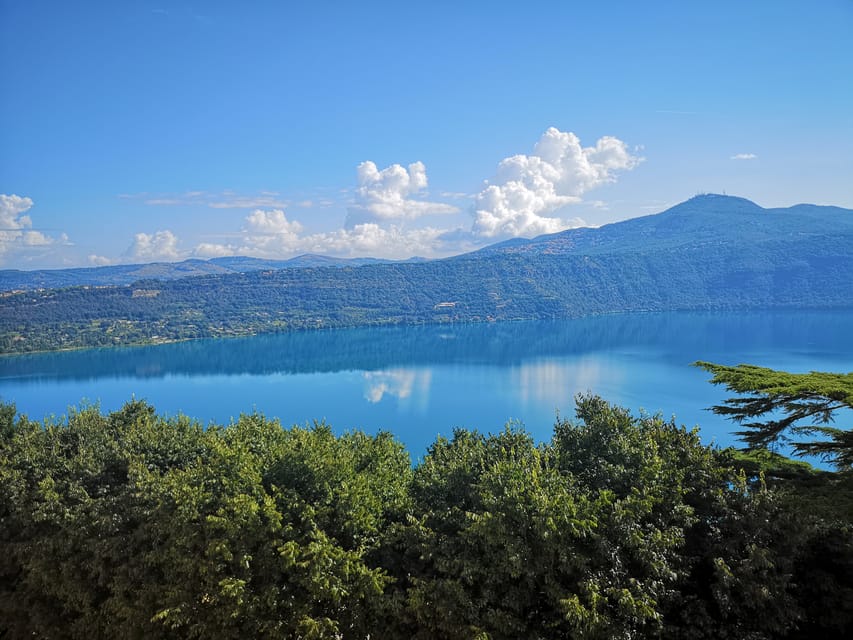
(214, 250)
(11, 209)
(162, 245)
(744, 156)
(274, 223)
(98, 261)
(386, 195)
(385, 219)
(528, 190)
(270, 234)
(16, 232)
(371, 239)
(366, 239)
(37, 239)
(373, 226)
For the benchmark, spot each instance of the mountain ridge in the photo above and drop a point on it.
(687, 258)
(581, 239)
(700, 216)
(125, 274)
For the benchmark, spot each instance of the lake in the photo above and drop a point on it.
(421, 381)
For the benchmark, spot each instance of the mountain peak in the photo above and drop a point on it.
(707, 219)
(718, 202)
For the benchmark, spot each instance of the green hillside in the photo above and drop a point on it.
(711, 252)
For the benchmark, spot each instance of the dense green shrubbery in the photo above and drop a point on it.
(132, 525)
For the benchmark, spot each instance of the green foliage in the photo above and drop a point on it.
(7, 421)
(813, 397)
(502, 542)
(131, 525)
(132, 522)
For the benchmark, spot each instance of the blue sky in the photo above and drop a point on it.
(139, 131)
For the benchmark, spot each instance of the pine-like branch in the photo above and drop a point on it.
(815, 397)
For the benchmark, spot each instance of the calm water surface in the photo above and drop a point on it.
(419, 382)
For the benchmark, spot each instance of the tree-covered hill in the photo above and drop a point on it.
(705, 220)
(712, 252)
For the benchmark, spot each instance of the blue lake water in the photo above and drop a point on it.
(418, 382)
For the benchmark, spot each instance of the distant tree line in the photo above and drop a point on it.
(132, 525)
(812, 272)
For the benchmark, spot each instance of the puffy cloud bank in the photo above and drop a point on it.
(528, 189)
(390, 209)
(389, 213)
(162, 245)
(385, 195)
(374, 224)
(365, 239)
(271, 233)
(16, 232)
(524, 198)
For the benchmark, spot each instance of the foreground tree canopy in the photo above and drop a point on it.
(130, 525)
(791, 404)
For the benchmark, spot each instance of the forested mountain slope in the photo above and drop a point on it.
(701, 222)
(711, 252)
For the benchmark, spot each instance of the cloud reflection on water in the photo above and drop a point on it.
(549, 381)
(410, 384)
